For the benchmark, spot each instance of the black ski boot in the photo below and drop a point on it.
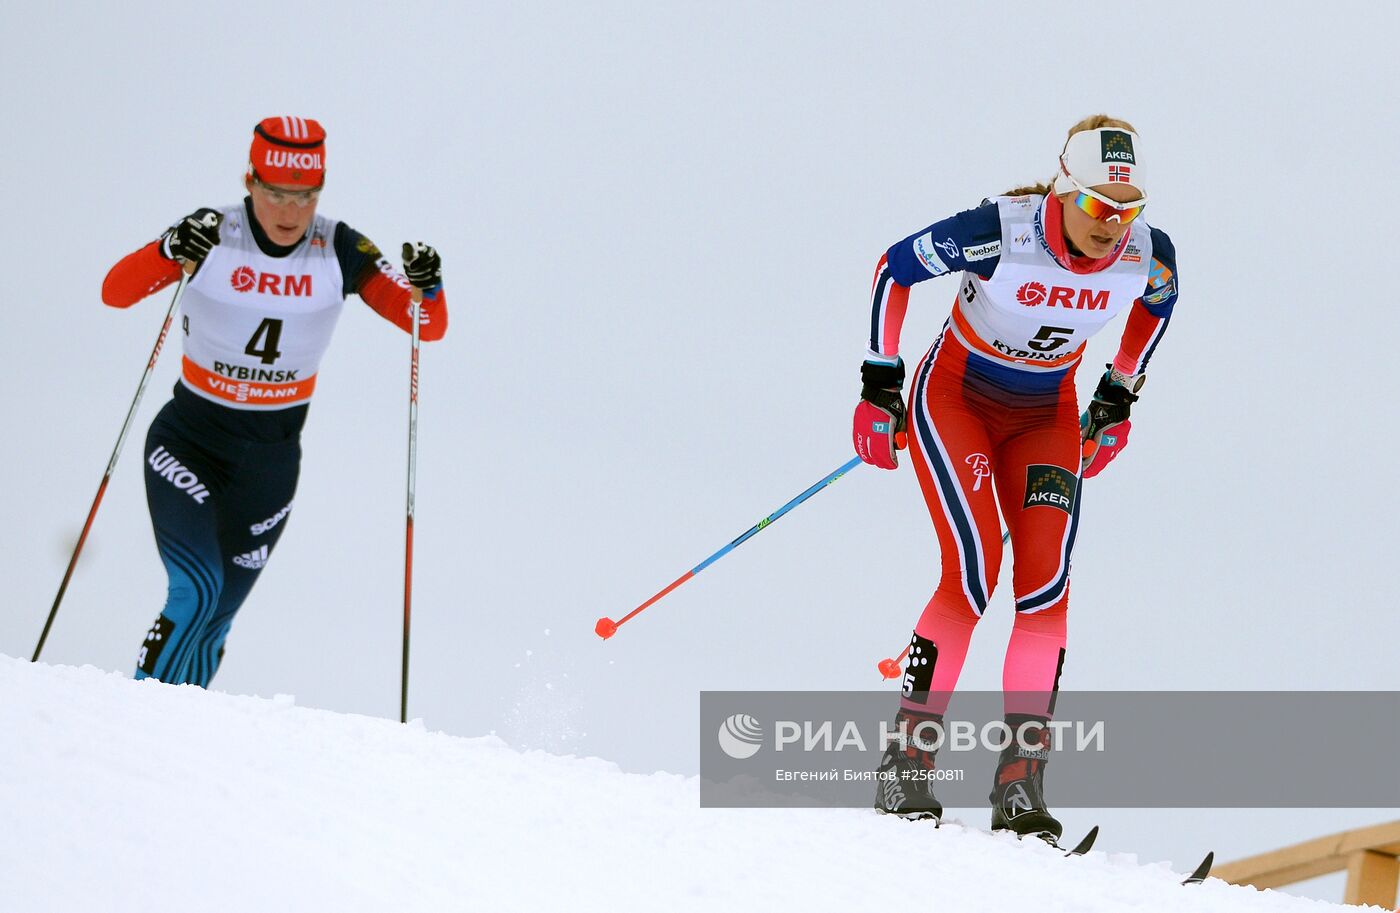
(1018, 793)
(904, 785)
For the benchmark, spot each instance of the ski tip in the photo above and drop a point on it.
(1086, 843)
(889, 668)
(1202, 870)
(605, 627)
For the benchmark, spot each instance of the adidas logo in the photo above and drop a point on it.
(252, 560)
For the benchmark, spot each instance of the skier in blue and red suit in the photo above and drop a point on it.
(993, 427)
(222, 457)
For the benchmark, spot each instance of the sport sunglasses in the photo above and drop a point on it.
(277, 197)
(1100, 208)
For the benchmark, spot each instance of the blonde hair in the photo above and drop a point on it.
(1092, 122)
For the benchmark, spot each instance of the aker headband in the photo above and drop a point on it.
(1108, 155)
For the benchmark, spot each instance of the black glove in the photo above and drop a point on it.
(1110, 406)
(881, 385)
(422, 265)
(192, 237)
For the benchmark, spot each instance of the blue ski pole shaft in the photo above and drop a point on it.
(606, 627)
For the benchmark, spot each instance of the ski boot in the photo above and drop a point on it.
(1018, 793)
(904, 781)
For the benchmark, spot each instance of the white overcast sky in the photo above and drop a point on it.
(658, 223)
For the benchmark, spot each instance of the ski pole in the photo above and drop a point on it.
(412, 479)
(889, 668)
(606, 627)
(188, 270)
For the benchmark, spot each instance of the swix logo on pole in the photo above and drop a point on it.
(244, 279)
(177, 474)
(285, 158)
(1032, 294)
(160, 343)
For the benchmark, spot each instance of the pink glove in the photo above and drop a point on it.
(877, 431)
(1095, 457)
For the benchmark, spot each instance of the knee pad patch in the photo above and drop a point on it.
(156, 639)
(918, 670)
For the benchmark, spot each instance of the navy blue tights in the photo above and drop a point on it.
(218, 504)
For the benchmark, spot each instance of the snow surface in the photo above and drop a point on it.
(123, 795)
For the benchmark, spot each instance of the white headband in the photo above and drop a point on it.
(1108, 155)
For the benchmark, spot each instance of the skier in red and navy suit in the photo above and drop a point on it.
(995, 433)
(222, 457)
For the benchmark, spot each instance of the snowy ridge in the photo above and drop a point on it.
(121, 795)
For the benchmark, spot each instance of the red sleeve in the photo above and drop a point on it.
(1140, 337)
(392, 301)
(137, 275)
(889, 301)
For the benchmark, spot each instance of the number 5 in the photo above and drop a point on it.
(1047, 341)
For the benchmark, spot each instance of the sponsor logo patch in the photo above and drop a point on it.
(981, 468)
(243, 391)
(387, 268)
(1030, 294)
(1034, 293)
(928, 256)
(262, 375)
(177, 474)
(244, 279)
(258, 529)
(366, 246)
(982, 251)
(252, 560)
(1050, 486)
(1116, 146)
(285, 158)
(1020, 354)
(1161, 281)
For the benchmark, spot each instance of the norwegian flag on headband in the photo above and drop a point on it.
(1120, 174)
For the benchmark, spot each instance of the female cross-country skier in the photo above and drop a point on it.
(222, 457)
(994, 426)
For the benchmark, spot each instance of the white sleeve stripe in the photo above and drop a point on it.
(1141, 362)
(883, 286)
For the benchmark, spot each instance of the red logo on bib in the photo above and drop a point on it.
(244, 279)
(1031, 294)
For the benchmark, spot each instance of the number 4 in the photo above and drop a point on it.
(270, 332)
